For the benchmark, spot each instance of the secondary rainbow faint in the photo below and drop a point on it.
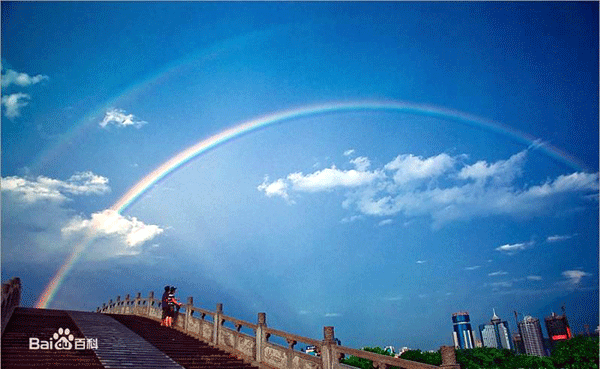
(203, 146)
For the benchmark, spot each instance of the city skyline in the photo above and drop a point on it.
(375, 167)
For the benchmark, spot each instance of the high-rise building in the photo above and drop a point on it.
(496, 333)
(558, 328)
(462, 334)
(518, 344)
(531, 333)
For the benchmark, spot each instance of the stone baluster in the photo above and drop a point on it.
(138, 303)
(261, 336)
(188, 313)
(329, 354)
(149, 307)
(217, 323)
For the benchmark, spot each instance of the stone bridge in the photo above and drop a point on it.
(126, 333)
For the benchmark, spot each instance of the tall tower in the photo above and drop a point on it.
(462, 334)
(496, 333)
(531, 332)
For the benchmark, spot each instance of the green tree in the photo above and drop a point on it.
(432, 358)
(364, 363)
(493, 358)
(579, 352)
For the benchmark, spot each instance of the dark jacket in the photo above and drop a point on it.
(164, 300)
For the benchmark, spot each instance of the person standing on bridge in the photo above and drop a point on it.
(172, 302)
(165, 305)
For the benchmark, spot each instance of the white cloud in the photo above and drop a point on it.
(277, 188)
(361, 163)
(473, 267)
(348, 152)
(331, 315)
(13, 104)
(48, 189)
(421, 261)
(409, 167)
(385, 222)
(557, 238)
(118, 118)
(128, 232)
(20, 79)
(574, 276)
(330, 178)
(502, 171)
(534, 278)
(514, 248)
(439, 188)
(494, 274)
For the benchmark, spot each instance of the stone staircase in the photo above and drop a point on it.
(186, 351)
(42, 324)
(123, 341)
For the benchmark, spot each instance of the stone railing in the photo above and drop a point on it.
(11, 297)
(253, 342)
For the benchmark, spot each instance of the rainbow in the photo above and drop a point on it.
(205, 145)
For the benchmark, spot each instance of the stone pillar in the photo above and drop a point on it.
(188, 313)
(261, 337)
(149, 307)
(448, 358)
(328, 351)
(217, 324)
(110, 307)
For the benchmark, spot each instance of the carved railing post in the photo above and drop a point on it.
(217, 324)
(149, 307)
(448, 358)
(329, 354)
(261, 336)
(188, 313)
(137, 303)
(110, 307)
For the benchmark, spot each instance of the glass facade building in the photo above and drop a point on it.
(463, 333)
(496, 334)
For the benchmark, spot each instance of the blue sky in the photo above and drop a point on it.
(380, 223)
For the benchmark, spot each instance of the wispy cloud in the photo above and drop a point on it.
(394, 298)
(11, 77)
(495, 274)
(49, 189)
(13, 104)
(441, 187)
(511, 249)
(421, 261)
(385, 222)
(332, 315)
(558, 238)
(534, 278)
(117, 117)
(574, 277)
(348, 152)
(351, 219)
(473, 267)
